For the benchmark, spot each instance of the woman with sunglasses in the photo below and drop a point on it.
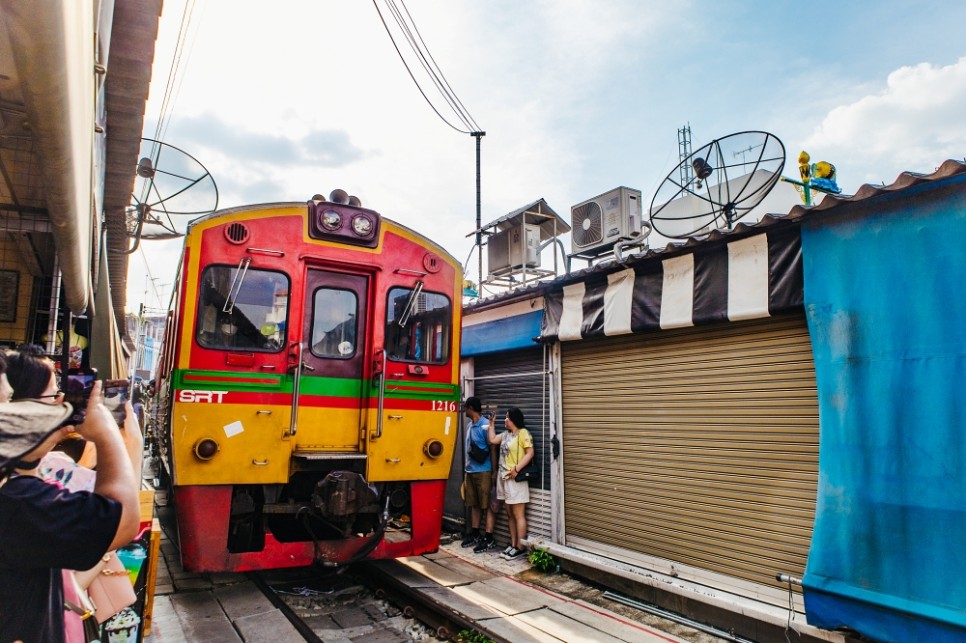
(33, 377)
(31, 374)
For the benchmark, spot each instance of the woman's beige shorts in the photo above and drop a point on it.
(511, 491)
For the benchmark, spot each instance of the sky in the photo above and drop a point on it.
(283, 100)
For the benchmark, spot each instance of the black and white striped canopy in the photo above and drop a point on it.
(747, 278)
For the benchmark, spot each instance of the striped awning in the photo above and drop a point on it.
(746, 278)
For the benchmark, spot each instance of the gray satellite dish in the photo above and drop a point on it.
(168, 181)
(717, 184)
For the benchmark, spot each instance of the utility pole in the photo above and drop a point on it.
(479, 221)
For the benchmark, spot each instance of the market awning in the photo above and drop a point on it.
(745, 278)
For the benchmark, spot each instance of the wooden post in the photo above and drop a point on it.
(154, 549)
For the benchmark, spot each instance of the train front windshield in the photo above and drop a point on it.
(418, 330)
(242, 309)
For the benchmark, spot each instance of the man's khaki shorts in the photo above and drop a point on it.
(477, 489)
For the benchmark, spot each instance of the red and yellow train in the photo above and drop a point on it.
(307, 395)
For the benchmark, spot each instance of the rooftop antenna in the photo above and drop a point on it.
(684, 151)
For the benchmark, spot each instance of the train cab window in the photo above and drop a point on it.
(334, 326)
(418, 330)
(242, 309)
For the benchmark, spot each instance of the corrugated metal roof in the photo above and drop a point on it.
(949, 169)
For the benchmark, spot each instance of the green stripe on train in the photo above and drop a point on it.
(310, 385)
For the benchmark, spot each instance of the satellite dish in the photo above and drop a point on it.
(717, 184)
(168, 181)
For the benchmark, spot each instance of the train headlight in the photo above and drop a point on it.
(362, 225)
(331, 220)
(433, 448)
(205, 449)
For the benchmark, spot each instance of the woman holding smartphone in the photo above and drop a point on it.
(516, 452)
(33, 377)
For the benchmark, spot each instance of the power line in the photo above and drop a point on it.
(430, 64)
(167, 101)
(419, 48)
(416, 43)
(472, 122)
(423, 60)
(174, 70)
(182, 64)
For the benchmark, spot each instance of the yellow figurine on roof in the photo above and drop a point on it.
(804, 169)
(819, 175)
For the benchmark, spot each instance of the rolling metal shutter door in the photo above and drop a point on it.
(498, 385)
(698, 445)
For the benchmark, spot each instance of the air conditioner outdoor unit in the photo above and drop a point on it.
(601, 222)
(512, 249)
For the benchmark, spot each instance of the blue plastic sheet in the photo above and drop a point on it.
(886, 307)
(501, 334)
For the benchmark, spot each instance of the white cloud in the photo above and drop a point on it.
(576, 97)
(527, 73)
(914, 123)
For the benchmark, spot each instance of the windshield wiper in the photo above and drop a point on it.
(410, 304)
(236, 285)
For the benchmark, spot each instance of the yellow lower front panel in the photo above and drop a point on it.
(328, 429)
(252, 441)
(400, 453)
(254, 445)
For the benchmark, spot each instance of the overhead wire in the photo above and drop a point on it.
(442, 77)
(172, 87)
(182, 64)
(429, 63)
(174, 69)
(410, 38)
(418, 46)
(151, 278)
(406, 65)
(169, 100)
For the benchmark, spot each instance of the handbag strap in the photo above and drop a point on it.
(85, 609)
(87, 576)
(520, 457)
(114, 572)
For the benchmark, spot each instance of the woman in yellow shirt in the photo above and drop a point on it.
(516, 452)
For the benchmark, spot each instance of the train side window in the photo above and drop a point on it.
(256, 321)
(426, 336)
(334, 323)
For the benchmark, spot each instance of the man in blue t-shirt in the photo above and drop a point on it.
(43, 528)
(478, 478)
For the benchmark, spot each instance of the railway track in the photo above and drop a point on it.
(362, 603)
(425, 599)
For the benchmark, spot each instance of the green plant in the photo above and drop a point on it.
(542, 560)
(472, 636)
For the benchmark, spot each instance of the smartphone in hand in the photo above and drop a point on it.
(116, 395)
(78, 392)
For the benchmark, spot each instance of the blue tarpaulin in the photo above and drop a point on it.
(501, 334)
(886, 309)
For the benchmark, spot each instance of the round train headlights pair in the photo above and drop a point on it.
(332, 220)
